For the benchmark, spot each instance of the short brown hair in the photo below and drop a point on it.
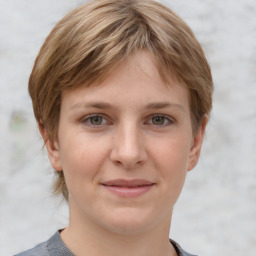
(91, 40)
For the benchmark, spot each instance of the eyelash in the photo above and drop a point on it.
(87, 120)
(167, 120)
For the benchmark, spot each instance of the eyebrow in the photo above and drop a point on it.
(160, 105)
(103, 105)
(99, 105)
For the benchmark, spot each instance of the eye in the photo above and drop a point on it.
(94, 120)
(160, 120)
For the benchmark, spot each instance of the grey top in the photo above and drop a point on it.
(55, 247)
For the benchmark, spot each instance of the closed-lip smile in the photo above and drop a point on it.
(128, 188)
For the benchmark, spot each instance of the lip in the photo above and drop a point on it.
(128, 188)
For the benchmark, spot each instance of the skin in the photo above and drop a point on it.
(131, 126)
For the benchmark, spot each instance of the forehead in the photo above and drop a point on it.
(136, 80)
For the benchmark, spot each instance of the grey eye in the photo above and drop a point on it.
(158, 120)
(96, 120)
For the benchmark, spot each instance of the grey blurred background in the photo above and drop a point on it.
(216, 213)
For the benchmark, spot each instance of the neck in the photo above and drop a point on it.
(84, 236)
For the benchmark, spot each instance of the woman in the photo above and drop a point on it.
(121, 92)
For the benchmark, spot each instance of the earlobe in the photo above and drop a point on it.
(197, 144)
(52, 149)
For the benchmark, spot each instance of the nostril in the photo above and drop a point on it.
(128, 149)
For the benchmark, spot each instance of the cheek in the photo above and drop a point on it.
(172, 153)
(171, 159)
(81, 163)
(82, 156)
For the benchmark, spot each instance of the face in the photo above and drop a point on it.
(125, 146)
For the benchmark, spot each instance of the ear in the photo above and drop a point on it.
(197, 144)
(52, 148)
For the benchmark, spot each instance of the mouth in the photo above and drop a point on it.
(128, 188)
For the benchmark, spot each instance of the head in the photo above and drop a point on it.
(90, 42)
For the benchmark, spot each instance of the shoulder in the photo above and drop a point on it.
(39, 250)
(52, 247)
(179, 250)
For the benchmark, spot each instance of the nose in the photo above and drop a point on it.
(128, 147)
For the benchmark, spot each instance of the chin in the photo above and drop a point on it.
(130, 221)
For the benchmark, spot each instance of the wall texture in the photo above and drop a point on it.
(216, 213)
